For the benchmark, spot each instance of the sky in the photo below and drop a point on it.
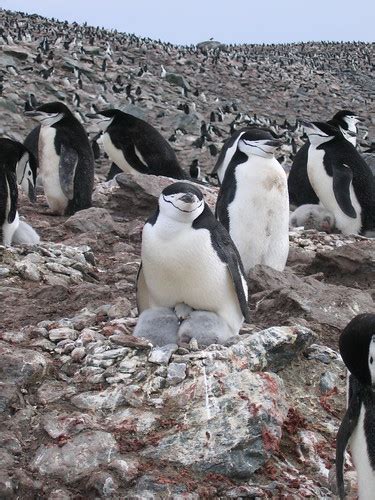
(237, 21)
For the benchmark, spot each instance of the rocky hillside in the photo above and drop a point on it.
(89, 411)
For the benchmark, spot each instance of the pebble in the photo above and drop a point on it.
(62, 334)
(162, 355)
(176, 373)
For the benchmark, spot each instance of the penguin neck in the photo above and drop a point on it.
(168, 227)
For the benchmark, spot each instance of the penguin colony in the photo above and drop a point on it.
(192, 278)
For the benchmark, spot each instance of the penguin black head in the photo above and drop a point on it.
(345, 119)
(50, 113)
(104, 119)
(181, 202)
(320, 132)
(357, 348)
(259, 142)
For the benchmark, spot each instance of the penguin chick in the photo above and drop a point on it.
(312, 216)
(159, 326)
(206, 327)
(25, 235)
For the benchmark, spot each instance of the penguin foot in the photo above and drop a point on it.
(182, 311)
(206, 327)
(159, 326)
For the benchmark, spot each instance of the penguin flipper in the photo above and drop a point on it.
(143, 301)
(13, 195)
(228, 253)
(348, 424)
(67, 170)
(133, 159)
(342, 178)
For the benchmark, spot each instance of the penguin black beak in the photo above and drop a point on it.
(360, 120)
(306, 124)
(187, 198)
(33, 114)
(31, 192)
(275, 143)
(92, 115)
(352, 134)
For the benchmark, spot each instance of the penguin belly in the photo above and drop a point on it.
(360, 456)
(259, 217)
(185, 268)
(49, 162)
(322, 184)
(117, 156)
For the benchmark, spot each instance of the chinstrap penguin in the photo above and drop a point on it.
(25, 235)
(65, 157)
(188, 257)
(357, 348)
(341, 178)
(253, 202)
(135, 146)
(300, 189)
(9, 219)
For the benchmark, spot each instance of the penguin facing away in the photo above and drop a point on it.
(66, 161)
(357, 348)
(10, 154)
(189, 258)
(300, 189)
(253, 202)
(135, 146)
(26, 165)
(341, 178)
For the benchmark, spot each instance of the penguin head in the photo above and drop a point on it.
(320, 132)
(181, 202)
(49, 114)
(258, 142)
(357, 348)
(103, 119)
(346, 120)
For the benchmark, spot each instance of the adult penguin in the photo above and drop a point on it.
(66, 161)
(299, 187)
(136, 146)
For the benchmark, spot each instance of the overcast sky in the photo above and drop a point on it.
(236, 21)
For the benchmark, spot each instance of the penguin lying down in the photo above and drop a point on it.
(164, 325)
(312, 216)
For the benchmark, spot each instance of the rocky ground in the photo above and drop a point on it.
(89, 411)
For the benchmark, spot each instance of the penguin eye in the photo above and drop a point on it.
(371, 360)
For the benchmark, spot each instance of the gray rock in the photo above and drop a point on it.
(162, 355)
(323, 354)
(63, 333)
(21, 366)
(109, 399)
(28, 270)
(176, 373)
(327, 382)
(57, 423)
(92, 219)
(105, 485)
(4, 272)
(78, 458)
(60, 494)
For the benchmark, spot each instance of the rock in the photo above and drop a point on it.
(104, 484)
(162, 355)
(210, 45)
(176, 373)
(323, 354)
(51, 391)
(327, 382)
(4, 272)
(126, 468)
(92, 219)
(22, 367)
(176, 79)
(78, 458)
(58, 424)
(121, 309)
(62, 334)
(289, 295)
(232, 421)
(109, 399)
(347, 265)
(60, 494)
(7, 486)
(28, 270)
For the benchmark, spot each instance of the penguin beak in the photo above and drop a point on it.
(310, 128)
(274, 143)
(93, 115)
(34, 113)
(31, 192)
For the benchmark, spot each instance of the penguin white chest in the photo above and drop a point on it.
(259, 214)
(182, 266)
(49, 162)
(360, 455)
(322, 184)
